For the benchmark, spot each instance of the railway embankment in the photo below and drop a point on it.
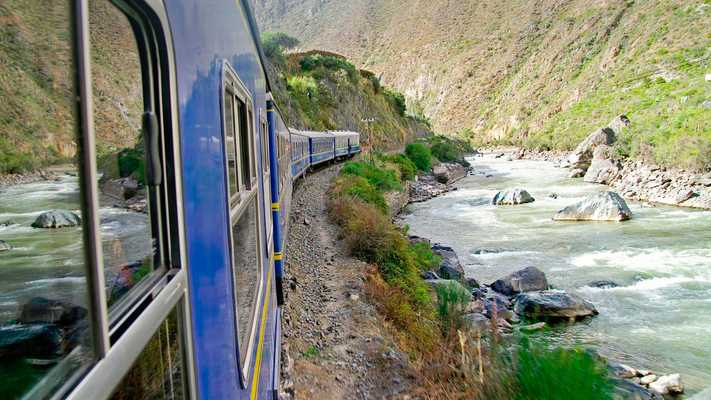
(335, 344)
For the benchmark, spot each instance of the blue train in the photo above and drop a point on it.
(172, 287)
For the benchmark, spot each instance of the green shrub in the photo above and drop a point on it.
(560, 374)
(131, 163)
(420, 155)
(424, 257)
(445, 152)
(406, 167)
(359, 188)
(383, 179)
(397, 99)
(16, 163)
(312, 62)
(274, 44)
(452, 299)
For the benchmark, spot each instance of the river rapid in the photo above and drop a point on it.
(658, 318)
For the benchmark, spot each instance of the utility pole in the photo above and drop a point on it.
(369, 121)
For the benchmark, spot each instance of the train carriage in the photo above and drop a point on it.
(300, 156)
(353, 143)
(321, 146)
(165, 281)
(347, 143)
(341, 143)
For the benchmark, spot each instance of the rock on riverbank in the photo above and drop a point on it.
(30, 177)
(440, 181)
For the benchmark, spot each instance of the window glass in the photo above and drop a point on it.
(44, 322)
(247, 270)
(244, 146)
(158, 373)
(252, 138)
(265, 147)
(230, 144)
(130, 250)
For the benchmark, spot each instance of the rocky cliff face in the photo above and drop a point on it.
(540, 73)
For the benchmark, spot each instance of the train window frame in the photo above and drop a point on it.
(248, 196)
(120, 339)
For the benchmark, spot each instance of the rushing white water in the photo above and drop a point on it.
(659, 317)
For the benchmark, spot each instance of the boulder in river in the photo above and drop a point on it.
(5, 246)
(603, 284)
(553, 305)
(525, 280)
(43, 341)
(668, 384)
(602, 206)
(512, 197)
(450, 268)
(42, 310)
(56, 219)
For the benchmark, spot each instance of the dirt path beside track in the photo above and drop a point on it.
(335, 345)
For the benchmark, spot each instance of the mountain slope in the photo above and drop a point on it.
(318, 90)
(541, 73)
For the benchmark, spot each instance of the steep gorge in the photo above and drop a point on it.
(542, 74)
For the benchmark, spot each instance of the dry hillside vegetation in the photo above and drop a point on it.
(543, 74)
(37, 115)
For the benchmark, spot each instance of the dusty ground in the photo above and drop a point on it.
(335, 345)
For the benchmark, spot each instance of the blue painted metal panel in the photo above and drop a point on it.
(200, 48)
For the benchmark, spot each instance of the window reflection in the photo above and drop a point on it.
(44, 329)
(129, 247)
(158, 372)
(247, 270)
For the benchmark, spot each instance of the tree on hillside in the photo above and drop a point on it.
(274, 43)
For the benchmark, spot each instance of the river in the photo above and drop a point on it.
(658, 318)
(50, 262)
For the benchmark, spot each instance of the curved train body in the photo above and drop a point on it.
(202, 319)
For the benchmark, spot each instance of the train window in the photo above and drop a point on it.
(251, 137)
(231, 149)
(244, 220)
(158, 373)
(265, 147)
(244, 145)
(127, 206)
(44, 334)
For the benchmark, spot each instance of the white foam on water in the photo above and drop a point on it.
(648, 260)
(76, 280)
(501, 254)
(703, 395)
